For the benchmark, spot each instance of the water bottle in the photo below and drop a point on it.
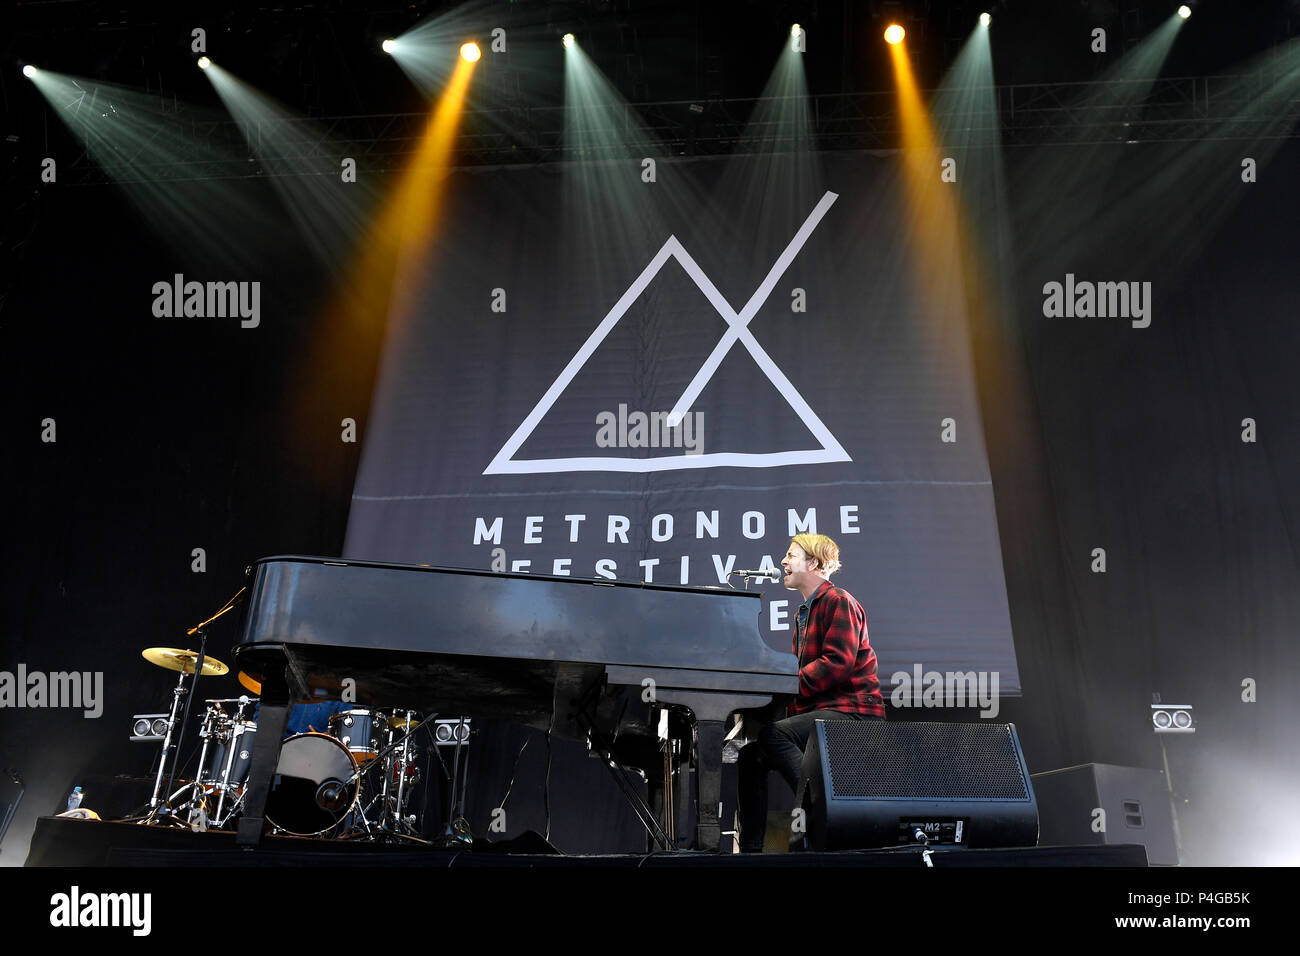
(74, 798)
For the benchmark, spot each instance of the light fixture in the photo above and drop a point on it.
(29, 71)
(204, 63)
(1184, 11)
(448, 732)
(568, 40)
(469, 52)
(388, 46)
(986, 18)
(894, 33)
(148, 727)
(1172, 719)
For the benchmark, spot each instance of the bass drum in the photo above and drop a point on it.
(316, 789)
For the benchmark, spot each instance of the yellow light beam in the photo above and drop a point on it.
(930, 199)
(382, 284)
(950, 282)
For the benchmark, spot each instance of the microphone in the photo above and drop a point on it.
(774, 575)
(331, 796)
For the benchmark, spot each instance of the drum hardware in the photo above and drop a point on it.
(355, 782)
(186, 662)
(322, 785)
(402, 766)
(381, 810)
(234, 757)
(216, 793)
(316, 786)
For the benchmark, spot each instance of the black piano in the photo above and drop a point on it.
(585, 659)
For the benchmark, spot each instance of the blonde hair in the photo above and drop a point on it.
(822, 550)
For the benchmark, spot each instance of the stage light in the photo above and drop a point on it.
(1172, 719)
(388, 46)
(985, 19)
(29, 71)
(1184, 11)
(469, 52)
(204, 63)
(796, 30)
(894, 33)
(568, 40)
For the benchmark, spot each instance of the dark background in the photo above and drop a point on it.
(174, 435)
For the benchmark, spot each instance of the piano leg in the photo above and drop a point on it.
(272, 715)
(708, 782)
(711, 714)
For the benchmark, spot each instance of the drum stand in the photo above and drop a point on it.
(238, 728)
(195, 805)
(216, 726)
(400, 760)
(155, 805)
(391, 821)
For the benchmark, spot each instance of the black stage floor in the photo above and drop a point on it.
(93, 843)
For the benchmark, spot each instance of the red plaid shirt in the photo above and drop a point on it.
(837, 667)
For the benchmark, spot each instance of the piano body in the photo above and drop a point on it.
(570, 656)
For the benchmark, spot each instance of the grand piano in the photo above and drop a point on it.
(585, 659)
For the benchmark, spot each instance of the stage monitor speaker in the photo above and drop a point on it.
(873, 783)
(1133, 801)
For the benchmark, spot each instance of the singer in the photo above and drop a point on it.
(837, 679)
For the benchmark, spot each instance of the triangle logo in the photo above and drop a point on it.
(830, 449)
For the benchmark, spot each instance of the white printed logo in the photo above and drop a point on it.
(737, 330)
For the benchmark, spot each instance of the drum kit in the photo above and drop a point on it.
(355, 781)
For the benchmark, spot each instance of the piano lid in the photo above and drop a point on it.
(328, 602)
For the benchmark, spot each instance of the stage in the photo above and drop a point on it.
(63, 842)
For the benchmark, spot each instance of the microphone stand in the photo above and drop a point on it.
(758, 575)
(185, 719)
(17, 778)
(198, 671)
(163, 808)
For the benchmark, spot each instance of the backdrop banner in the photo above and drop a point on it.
(617, 371)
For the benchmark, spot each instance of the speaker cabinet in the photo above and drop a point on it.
(1134, 805)
(873, 783)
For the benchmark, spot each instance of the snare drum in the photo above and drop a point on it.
(358, 730)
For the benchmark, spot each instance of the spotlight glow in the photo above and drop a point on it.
(29, 71)
(469, 52)
(796, 30)
(985, 19)
(894, 33)
(204, 63)
(388, 46)
(1184, 11)
(568, 40)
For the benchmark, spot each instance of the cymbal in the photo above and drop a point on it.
(254, 685)
(401, 723)
(175, 659)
